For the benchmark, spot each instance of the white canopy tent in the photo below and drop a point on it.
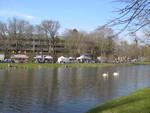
(2, 56)
(63, 59)
(38, 57)
(19, 58)
(43, 59)
(48, 57)
(83, 58)
(72, 60)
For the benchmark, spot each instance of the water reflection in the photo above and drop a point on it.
(65, 90)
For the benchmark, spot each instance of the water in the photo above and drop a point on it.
(66, 90)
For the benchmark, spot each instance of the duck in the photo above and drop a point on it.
(116, 73)
(105, 74)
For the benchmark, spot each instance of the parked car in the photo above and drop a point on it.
(95, 61)
(6, 61)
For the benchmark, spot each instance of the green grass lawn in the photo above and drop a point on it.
(136, 102)
(4, 65)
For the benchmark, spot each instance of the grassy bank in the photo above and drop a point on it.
(136, 102)
(32, 65)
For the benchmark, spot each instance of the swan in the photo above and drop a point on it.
(116, 73)
(105, 74)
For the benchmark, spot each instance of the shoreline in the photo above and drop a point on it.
(46, 65)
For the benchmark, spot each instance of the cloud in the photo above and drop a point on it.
(27, 17)
(10, 14)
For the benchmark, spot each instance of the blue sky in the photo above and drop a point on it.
(84, 15)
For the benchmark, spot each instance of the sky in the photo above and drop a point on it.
(85, 15)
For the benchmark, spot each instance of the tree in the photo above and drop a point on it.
(74, 44)
(30, 30)
(107, 44)
(4, 40)
(145, 53)
(110, 46)
(134, 15)
(50, 29)
(17, 30)
(40, 35)
(144, 37)
(95, 44)
(123, 49)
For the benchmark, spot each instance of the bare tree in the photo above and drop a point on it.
(146, 37)
(134, 15)
(143, 37)
(17, 30)
(107, 42)
(51, 28)
(30, 30)
(95, 44)
(109, 46)
(145, 53)
(123, 49)
(73, 40)
(40, 36)
(4, 38)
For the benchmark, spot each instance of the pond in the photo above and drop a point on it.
(67, 89)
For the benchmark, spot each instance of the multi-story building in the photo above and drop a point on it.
(36, 43)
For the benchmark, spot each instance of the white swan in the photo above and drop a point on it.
(116, 73)
(105, 74)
